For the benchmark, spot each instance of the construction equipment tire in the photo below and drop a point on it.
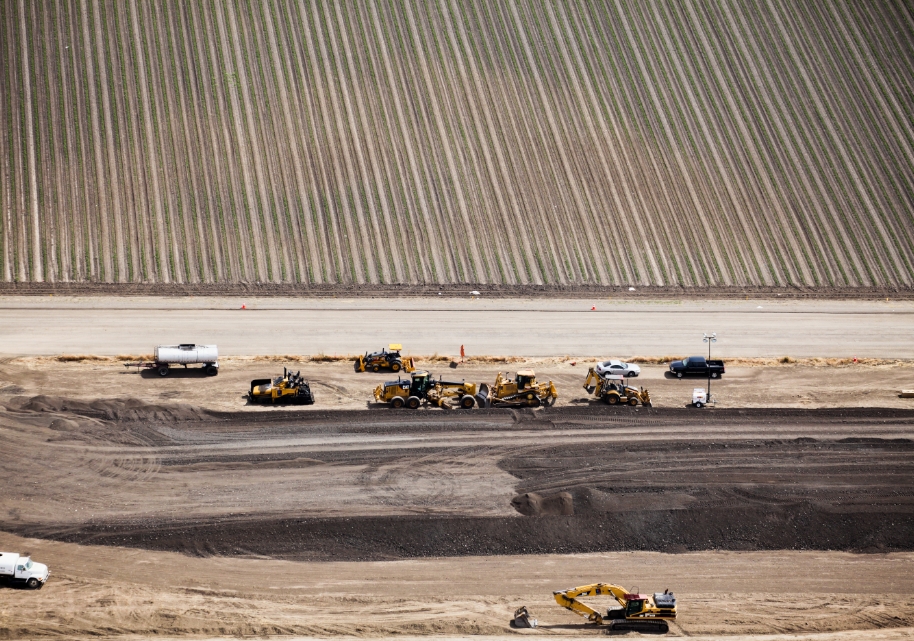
(397, 402)
(163, 370)
(467, 401)
(376, 369)
(633, 401)
(413, 402)
(395, 366)
(612, 399)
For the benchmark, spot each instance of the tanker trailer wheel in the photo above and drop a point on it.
(33, 583)
(633, 401)
(211, 370)
(413, 402)
(163, 370)
(467, 401)
(395, 366)
(397, 402)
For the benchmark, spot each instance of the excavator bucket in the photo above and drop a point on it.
(484, 396)
(522, 618)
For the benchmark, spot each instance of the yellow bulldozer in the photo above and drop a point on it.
(289, 389)
(422, 386)
(613, 390)
(521, 391)
(638, 612)
(389, 358)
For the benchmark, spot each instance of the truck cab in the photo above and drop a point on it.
(16, 568)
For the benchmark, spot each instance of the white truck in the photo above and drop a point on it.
(184, 354)
(15, 568)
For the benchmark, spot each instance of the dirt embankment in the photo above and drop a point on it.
(333, 485)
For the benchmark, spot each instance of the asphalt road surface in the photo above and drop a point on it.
(50, 325)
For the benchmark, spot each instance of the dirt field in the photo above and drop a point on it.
(170, 506)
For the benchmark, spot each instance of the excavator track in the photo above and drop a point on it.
(623, 625)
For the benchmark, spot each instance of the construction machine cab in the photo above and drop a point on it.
(524, 379)
(421, 383)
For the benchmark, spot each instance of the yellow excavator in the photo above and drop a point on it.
(613, 390)
(521, 391)
(638, 612)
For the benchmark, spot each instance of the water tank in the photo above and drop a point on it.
(186, 353)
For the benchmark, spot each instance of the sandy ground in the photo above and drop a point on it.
(516, 327)
(109, 591)
(336, 386)
(170, 507)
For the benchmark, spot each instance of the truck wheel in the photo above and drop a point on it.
(397, 402)
(33, 583)
(678, 374)
(413, 402)
(163, 370)
(395, 366)
(211, 370)
(714, 374)
(467, 401)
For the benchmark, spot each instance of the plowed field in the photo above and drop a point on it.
(527, 142)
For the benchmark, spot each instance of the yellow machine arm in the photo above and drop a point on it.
(593, 379)
(568, 599)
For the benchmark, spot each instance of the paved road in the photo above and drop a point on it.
(133, 325)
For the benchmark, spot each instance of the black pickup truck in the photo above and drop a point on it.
(697, 366)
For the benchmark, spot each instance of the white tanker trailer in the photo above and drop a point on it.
(184, 354)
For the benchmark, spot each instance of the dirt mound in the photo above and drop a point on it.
(117, 409)
(532, 504)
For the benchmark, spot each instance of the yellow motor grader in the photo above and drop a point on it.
(521, 391)
(613, 390)
(638, 612)
(422, 386)
(388, 358)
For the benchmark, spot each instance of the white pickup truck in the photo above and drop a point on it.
(16, 568)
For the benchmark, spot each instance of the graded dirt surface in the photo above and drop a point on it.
(169, 506)
(619, 326)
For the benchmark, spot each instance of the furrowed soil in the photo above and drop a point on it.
(183, 512)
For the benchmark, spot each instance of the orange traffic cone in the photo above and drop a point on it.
(243, 306)
(593, 308)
